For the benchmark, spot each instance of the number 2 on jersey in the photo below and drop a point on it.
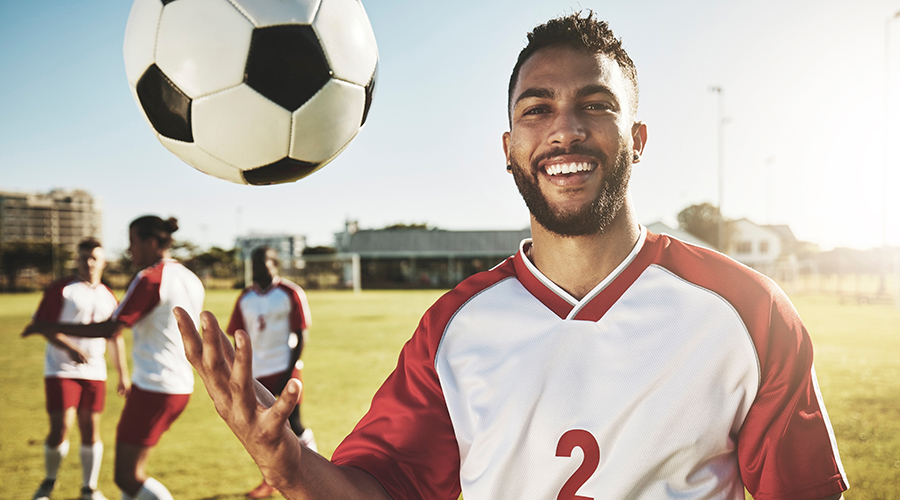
(569, 441)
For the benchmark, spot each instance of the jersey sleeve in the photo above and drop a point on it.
(300, 317)
(51, 303)
(237, 317)
(406, 440)
(786, 446)
(142, 296)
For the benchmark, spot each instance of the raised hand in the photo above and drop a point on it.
(227, 375)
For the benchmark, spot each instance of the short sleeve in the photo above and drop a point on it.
(237, 317)
(786, 446)
(300, 315)
(142, 296)
(52, 302)
(406, 440)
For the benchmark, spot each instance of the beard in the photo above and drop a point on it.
(592, 218)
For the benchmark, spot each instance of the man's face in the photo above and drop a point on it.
(572, 139)
(91, 264)
(144, 253)
(265, 266)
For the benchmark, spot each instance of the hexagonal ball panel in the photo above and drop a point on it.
(370, 94)
(286, 64)
(203, 161)
(327, 122)
(347, 39)
(264, 13)
(165, 105)
(281, 171)
(242, 127)
(202, 45)
(140, 37)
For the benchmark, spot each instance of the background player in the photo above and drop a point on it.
(75, 368)
(275, 314)
(163, 379)
(677, 372)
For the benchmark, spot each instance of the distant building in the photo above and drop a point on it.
(413, 258)
(759, 246)
(61, 217)
(289, 247)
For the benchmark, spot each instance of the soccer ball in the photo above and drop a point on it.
(252, 91)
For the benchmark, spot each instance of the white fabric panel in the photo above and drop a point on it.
(82, 304)
(662, 382)
(159, 363)
(327, 122)
(272, 12)
(242, 127)
(140, 37)
(203, 45)
(202, 161)
(347, 39)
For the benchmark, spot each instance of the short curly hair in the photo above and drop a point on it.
(584, 33)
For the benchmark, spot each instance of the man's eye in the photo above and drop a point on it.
(598, 106)
(535, 111)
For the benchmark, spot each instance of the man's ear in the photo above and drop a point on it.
(506, 149)
(639, 139)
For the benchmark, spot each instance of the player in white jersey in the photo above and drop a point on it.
(275, 314)
(162, 381)
(601, 361)
(75, 368)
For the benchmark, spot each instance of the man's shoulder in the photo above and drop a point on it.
(444, 308)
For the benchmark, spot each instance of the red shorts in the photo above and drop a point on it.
(78, 393)
(271, 382)
(147, 415)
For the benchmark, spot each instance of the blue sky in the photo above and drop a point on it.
(804, 91)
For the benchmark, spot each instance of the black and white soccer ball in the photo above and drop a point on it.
(252, 91)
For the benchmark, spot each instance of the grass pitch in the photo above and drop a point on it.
(354, 345)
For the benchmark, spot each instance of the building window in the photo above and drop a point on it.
(763, 247)
(745, 247)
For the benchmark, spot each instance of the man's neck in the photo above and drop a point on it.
(88, 279)
(578, 264)
(265, 283)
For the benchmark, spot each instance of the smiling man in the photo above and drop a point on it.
(601, 361)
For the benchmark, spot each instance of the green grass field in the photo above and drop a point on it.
(354, 345)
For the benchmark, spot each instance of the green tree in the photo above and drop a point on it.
(702, 221)
(20, 255)
(219, 262)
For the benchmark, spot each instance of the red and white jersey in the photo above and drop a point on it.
(269, 316)
(71, 300)
(158, 351)
(682, 375)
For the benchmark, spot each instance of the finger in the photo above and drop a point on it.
(214, 341)
(193, 347)
(242, 384)
(284, 405)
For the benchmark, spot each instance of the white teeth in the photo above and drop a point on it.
(569, 168)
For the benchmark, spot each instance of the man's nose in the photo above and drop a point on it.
(567, 129)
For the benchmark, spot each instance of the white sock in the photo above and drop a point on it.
(91, 457)
(153, 490)
(53, 457)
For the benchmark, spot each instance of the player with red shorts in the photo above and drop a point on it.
(163, 380)
(75, 368)
(275, 314)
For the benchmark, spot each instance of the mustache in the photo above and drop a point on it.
(575, 149)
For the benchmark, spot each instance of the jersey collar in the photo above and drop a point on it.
(595, 304)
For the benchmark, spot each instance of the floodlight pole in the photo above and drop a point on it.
(721, 165)
(887, 153)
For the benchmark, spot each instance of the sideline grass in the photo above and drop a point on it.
(354, 345)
